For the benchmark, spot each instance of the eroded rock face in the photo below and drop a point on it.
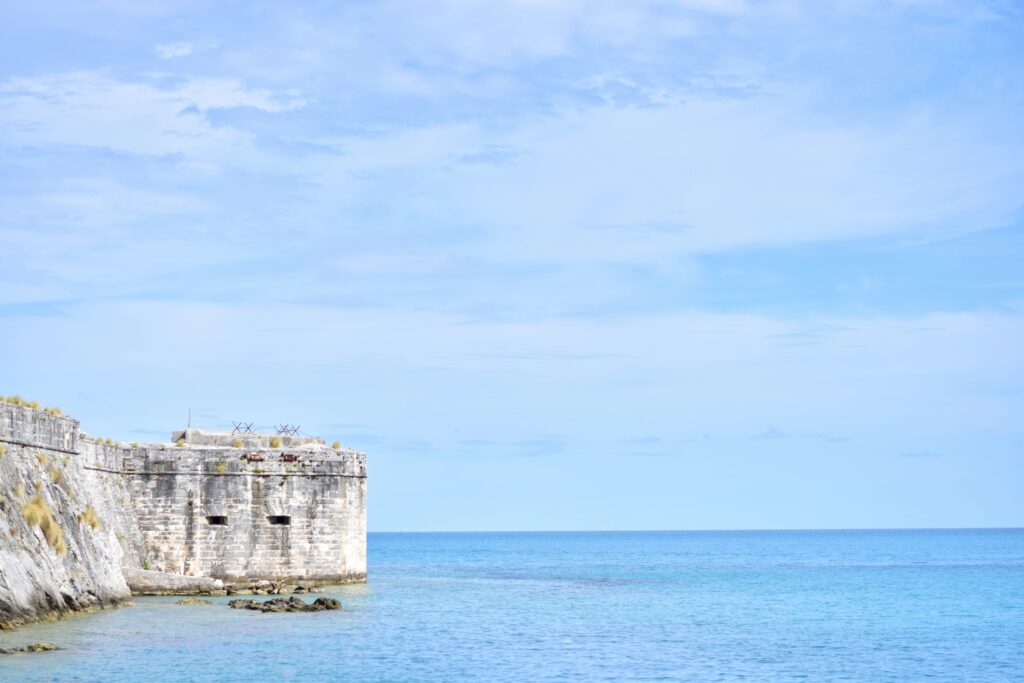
(64, 555)
(292, 604)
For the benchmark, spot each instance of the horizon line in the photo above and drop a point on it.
(699, 531)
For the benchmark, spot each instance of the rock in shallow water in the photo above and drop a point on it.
(34, 647)
(292, 604)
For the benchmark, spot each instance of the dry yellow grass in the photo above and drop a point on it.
(41, 457)
(336, 445)
(37, 513)
(56, 474)
(19, 491)
(275, 442)
(90, 517)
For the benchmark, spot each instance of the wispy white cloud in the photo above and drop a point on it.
(148, 115)
(172, 50)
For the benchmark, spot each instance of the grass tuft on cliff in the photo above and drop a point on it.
(37, 513)
(90, 517)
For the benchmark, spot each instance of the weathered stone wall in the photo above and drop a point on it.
(178, 494)
(151, 508)
(36, 580)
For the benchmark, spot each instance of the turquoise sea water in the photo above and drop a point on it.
(660, 606)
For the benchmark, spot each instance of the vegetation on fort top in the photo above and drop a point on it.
(34, 405)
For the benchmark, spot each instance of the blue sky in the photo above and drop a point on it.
(691, 264)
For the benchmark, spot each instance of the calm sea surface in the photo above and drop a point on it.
(757, 606)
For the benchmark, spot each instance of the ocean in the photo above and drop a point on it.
(939, 605)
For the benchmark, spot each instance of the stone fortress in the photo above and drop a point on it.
(83, 517)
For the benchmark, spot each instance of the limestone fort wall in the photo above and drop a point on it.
(233, 513)
(297, 511)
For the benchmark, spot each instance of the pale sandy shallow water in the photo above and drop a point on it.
(664, 606)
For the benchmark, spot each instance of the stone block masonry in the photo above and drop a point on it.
(238, 514)
(205, 508)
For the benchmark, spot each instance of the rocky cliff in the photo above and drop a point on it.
(62, 524)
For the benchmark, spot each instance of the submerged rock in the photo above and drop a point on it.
(34, 647)
(292, 604)
(193, 601)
